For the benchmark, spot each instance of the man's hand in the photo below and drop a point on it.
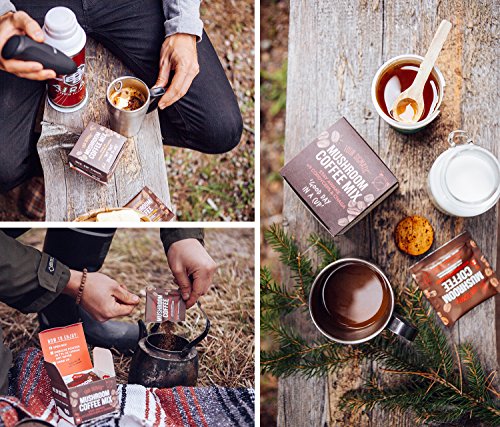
(21, 23)
(103, 298)
(192, 268)
(178, 54)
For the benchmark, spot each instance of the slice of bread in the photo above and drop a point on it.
(121, 215)
(414, 235)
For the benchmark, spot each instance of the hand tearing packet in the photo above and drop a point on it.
(455, 278)
(164, 305)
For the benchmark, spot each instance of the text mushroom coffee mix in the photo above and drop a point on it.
(455, 278)
(96, 153)
(339, 177)
(164, 305)
(82, 390)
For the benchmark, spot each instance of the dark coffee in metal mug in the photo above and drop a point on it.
(352, 301)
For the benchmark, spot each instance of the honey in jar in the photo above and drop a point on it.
(397, 79)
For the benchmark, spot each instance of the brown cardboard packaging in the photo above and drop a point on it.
(150, 205)
(96, 153)
(66, 354)
(339, 177)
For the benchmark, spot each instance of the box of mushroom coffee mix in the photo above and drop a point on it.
(97, 152)
(82, 391)
(339, 177)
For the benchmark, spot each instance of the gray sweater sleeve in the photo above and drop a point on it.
(6, 6)
(182, 16)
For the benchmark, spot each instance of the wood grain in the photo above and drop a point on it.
(335, 48)
(70, 194)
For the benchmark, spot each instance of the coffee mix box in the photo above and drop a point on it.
(164, 305)
(97, 151)
(339, 177)
(83, 391)
(150, 205)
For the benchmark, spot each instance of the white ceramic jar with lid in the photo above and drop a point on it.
(464, 180)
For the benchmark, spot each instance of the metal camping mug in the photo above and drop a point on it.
(343, 334)
(153, 366)
(128, 123)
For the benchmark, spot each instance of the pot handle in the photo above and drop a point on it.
(155, 94)
(200, 338)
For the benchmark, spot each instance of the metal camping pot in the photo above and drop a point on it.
(153, 366)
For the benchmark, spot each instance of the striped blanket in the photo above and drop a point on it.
(30, 396)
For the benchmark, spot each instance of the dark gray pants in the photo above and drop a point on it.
(206, 119)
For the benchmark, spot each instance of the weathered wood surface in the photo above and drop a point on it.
(335, 48)
(70, 194)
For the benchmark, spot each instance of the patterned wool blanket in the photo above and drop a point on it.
(30, 396)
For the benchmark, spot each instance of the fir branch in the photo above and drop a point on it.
(484, 411)
(430, 387)
(431, 341)
(476, 380)
(275, 296)
(298, 263)
(325, 249)
(389, 353)
(298, 355)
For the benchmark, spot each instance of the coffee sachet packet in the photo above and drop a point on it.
(82, 378)
(163, 305)
(455, 278)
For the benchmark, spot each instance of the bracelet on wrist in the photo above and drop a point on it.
(82, 286)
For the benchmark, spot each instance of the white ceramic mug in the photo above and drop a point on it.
(405, 127)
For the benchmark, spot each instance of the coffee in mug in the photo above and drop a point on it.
(128, 99)
(351, 301)
(66, 93)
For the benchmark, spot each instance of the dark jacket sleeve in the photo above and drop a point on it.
(29, 279)
(171, 235)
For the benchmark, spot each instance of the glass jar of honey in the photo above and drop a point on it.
(464, 180)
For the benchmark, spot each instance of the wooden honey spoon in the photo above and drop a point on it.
(409, 105)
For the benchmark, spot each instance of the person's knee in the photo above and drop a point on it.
(224, 135)
(11, 175)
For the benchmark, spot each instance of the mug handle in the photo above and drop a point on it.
(155, 94)
(402, 327)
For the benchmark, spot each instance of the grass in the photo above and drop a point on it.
(136, 258)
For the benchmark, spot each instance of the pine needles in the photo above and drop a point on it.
(437, 381)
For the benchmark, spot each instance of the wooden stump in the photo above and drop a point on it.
(70, 194)
(335, 48)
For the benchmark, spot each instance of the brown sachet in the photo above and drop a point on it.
(150, 205)
(164, 305)
(83, 378)
(455, 278)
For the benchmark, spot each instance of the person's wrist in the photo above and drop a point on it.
(73, 284)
